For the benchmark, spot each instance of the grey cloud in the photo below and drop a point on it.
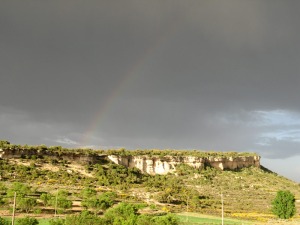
(279, 149)
(142, 74)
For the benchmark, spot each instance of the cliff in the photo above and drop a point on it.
(148, 161)
(167, 164)
(71, 156)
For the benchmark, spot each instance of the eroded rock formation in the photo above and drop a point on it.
(150, 164)
(167, 164)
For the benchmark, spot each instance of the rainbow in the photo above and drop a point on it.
(124, 82)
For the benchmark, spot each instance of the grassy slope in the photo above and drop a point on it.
(247, 193)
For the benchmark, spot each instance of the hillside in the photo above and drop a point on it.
(248, 191)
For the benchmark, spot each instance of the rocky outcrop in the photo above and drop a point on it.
(151, 164)
(167, 164)
(77, 157)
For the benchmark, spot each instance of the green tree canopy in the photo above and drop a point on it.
(85, 218)
(4, 222)
(28, 221)
(124, 213)
(26, 204)
(284, 205)
(103, 201)
(4, 143)
(61, 201)
(21, 189)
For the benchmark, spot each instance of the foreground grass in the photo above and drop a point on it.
(184, 220)
(195, 218)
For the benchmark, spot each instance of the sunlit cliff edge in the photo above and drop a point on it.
(167, 164)
(148, 161)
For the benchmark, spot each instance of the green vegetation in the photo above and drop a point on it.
(194, 219)
(3, 221)
(79, 188)
(97, 202)
(126, 213)
(61, 200)
(41, 150)
(178, 153)
(27, 221)
(284, 205)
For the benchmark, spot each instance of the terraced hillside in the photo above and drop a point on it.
(247, 192)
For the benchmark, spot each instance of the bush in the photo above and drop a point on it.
(28, 221)
(61, 200)
(124, 213)
(57, 222)
(46, 198)
(21, 189)
(85, 218)
(169, 219)
(103, 201)
(26, 204)
(4, 222)
(145, 220)
(284, 205)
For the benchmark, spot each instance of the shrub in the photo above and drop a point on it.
(168, 219)
(21, 189)
(57, 222)
(26, 204)
(124, 213)
(103, 201)
(46, 198)
(28, 221)
(4, 222)
(145, 220)
(85, 218)
(284, 205)
(61, 200)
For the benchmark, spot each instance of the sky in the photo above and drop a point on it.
(206, 75)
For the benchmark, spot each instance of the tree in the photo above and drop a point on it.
(28, 221)
(21, 189)
(23, 202)
(4, 143)
(61, 201)
(88, 192)
(106, 200)
(46, 198)
(4, 222)
(168, 219)
(3, 190)
(103, 201)
(85, 218)
(124, 213)
(145, 220)
(26, 204)
(284, 205)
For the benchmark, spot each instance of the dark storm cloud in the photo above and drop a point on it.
(184, 74)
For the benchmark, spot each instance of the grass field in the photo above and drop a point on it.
(195, 219)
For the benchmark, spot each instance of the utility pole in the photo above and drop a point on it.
(14, 209)
(222, 201)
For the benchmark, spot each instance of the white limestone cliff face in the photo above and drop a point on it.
(167, 164)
